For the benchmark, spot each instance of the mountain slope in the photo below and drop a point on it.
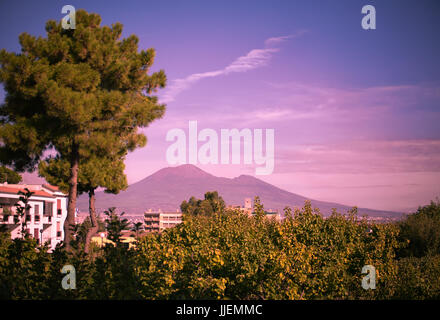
(168, 187)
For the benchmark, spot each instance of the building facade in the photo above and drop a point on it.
(44, 220)
(158, 221)
(249, 210)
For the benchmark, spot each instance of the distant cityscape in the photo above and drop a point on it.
(47, 211)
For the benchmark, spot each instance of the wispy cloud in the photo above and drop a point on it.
(329, 110)
(254, 59)
(379, 156)
(277, 40)
(295, 101)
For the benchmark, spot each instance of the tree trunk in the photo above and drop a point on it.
(94, 222)
(71, 206)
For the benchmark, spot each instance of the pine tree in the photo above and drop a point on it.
(9, 176)
(94, 172)
(77, 92)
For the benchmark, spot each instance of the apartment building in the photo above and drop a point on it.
(44, 219)
(158, 220)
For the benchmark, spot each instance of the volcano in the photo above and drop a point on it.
(168, 187)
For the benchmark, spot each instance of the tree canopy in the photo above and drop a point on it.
(9, 176)
(212, 203)
(76, 92)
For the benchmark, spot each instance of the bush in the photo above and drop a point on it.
(229, 255)
(419, 278)
(421, 230)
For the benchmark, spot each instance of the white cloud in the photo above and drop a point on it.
(254, 59)
(277, 40)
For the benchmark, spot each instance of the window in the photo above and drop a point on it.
(37, 218)
(37, 235)
(28, 218)
(48, 208)
(58, 229)
(59, 211)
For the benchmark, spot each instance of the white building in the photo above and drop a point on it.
(158, 220)
(45, 217)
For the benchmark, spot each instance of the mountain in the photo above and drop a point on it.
(168, 187)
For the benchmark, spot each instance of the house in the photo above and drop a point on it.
(44, 220)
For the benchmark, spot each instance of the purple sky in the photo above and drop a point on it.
(355, 112)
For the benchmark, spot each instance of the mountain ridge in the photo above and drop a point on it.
(166, 188)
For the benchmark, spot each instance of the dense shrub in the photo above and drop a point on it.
(419, 278)
(421, 230)
(229, 255)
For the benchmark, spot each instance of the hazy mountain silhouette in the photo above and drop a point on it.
(168, 187)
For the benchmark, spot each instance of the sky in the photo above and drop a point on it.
(355, 112)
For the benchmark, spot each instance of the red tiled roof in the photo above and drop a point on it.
(51, 187)
(14, 190)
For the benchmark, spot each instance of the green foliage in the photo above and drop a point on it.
(114, 273)
(211, 204)
(28, 271)
(84, 86)
(21, 209)
(115, 225)
(138, 226)
(229, 255)
(419, 278)
(24, 270)
(9, 176)
(94, 172)
(86, 225)
(421, 230)
(106, 171)
(83, 93)
(80, 232)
